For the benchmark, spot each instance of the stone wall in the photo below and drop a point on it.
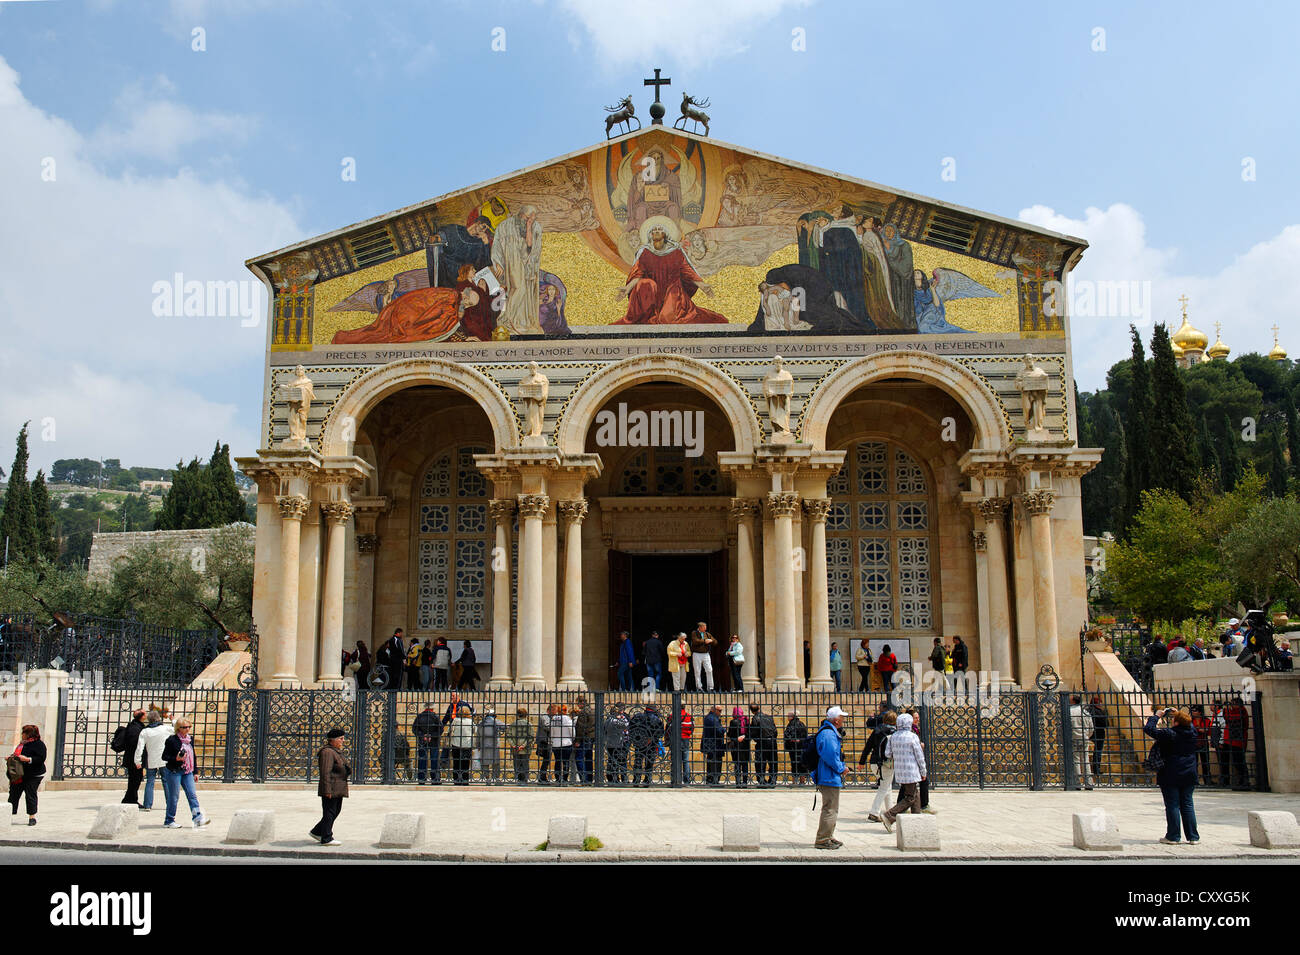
(108, 548)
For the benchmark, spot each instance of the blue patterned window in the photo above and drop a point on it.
(667, 471)
(879, 542)
(454, 540)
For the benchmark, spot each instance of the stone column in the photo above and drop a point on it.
(571, 653)
(293, 508)
(993, 510)
(819, 610)
(744, 509)
(367, 548)
(532, 507)
(980, 542)
(501, 511)
(266, 563)
(783, 505)
(1038, 504)
(329, 674)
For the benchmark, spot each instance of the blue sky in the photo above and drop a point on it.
(171, 159)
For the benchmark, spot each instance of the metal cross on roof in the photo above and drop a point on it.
(657, 108)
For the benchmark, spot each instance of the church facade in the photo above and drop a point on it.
(662, 381)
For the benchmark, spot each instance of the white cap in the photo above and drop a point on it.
(833, 712)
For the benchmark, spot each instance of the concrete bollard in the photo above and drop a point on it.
(740, 833)
(1275, 829)
(1096, 831)
(403, 830)
(917, 833)
(116, 821)
(251, 827)
(566, 832)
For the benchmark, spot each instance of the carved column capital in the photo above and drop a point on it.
(367, 543)
(573, 511)
(501, 510)
(783, 503)
(1038, 503)
(980, 540)
(533, 505)
(744, 508)
(293, 507)
(817, 508)
(992, 508)
(337, 512)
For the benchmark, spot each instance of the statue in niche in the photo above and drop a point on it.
(778, 388)
(299, 394)
(1032, 383)
(533, 389)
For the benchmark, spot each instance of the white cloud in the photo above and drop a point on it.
(81, 255)
(1248, 295)
(147, 121)
(627, 32)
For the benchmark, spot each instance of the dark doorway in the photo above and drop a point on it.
(669, 593)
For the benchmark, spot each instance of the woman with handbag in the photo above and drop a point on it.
(28, 761)
(1174, 759)
(736, 658)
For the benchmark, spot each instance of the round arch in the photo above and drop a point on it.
(580, 411)
(959, 383)
(359, 398)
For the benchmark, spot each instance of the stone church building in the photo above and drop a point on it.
(548, 408)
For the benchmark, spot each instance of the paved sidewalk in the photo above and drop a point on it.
(480, 824)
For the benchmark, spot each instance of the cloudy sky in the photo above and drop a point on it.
(1165, 135)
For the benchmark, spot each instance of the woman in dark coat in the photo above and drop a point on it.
(1177, 777)
(333, 786)
(31, 753)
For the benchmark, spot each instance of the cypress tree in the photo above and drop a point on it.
(1137, 413)
(1173, 459)
(228, 503)
(1292, 433)
(46, 545)
(1277, 471)
(1209, 458)
(1229, 462)
(18, 521)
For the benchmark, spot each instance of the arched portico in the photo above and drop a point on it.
(578, 415)
(962, 385)
(373, 387)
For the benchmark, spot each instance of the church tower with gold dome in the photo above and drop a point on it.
(1277, 353)
(1188, 342)
(1218, 351)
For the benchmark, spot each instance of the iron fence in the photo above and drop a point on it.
(1104, 742)
(107, 651)
(1012, 739)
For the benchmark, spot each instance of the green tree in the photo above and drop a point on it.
(1292, 433)
(228, 503)
(1209, 456)
(18, 520)
(1229, 456)
(1277, 469)
(1137, 411)
(47, 543)
(1261, 552)
(44, 588)
(189, 501)
(211, 585)
(1103, 487)
(1174, 458)
(134, 513)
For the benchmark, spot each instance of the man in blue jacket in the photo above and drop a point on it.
(626, 661)
(829, 777)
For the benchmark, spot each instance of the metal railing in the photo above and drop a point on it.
(107, 651)
(1011, 739)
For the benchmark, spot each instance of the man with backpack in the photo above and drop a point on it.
(824, 747)
(616, 746)
(713, 744)
(882, 727)
(125, 740)
(795, 733)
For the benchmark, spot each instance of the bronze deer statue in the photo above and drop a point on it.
(693, 110)
(621, 113)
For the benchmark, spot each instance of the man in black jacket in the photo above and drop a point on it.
(795, 733)
(645, 730)
(762, 731)
(133, 776)
(713, 744)
(396, 659)
(427, 729)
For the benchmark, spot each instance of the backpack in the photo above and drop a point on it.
(808, 756)
(876, 746)
(118, 745)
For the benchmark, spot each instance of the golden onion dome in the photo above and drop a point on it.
(1178, 349)
(1278, 353)
(1189, 338)
(1218, 349)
